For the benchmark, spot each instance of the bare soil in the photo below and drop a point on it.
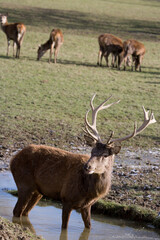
(12, 231)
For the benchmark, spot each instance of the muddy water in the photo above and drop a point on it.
(45, 220)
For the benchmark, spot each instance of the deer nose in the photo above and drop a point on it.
(87, 167)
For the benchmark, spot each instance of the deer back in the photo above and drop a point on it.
(110, 42)
(134, 47)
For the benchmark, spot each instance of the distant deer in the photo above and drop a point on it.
(13, 31)
(108, 44)
(136, 50)
(55, 41)
(75, 179)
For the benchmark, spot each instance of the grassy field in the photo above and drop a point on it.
(46, 103)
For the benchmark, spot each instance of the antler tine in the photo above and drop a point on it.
(91, 102)
(92, 126)
(126, 137)
(98, 108)
(110, 137)
(86, 130)
(95, 134)
(147, 121)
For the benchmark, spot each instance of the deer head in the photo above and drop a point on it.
(40, 52)
(102, 154)
(3, 18)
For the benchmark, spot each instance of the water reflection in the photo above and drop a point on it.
(25, 222)
(46, 221)
(84, 235)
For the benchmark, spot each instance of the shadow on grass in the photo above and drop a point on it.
(6, 57)
(81, 23)
(78, 63)
(153, 82)
(18, 59)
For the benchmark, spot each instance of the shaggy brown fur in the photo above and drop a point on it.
(55, 41)
(77, 180)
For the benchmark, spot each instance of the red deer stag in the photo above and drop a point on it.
(109, 43)
(13, 31)
(55, 41)
(77, 180)
(136, 50)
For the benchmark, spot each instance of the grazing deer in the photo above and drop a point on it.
(55, 41)
(13, 31)
(109, 43)
(77, 180)
(136, 50)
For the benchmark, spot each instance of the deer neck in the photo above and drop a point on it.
(4, 25)
(98, 185)
(47, 45)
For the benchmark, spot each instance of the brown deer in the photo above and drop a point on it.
(136, 50)
(13, 31)
(108, 44)
(75, 179)
(55, 41)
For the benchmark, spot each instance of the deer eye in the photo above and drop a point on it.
(105, 155)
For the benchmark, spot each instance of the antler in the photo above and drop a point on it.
(94, 133)
(147, 121)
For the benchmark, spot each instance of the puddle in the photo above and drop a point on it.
(46, 221)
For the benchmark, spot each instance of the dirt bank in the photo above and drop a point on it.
(12, 231)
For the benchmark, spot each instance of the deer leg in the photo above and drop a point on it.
(128, 61)
(137, 63)
(86, 216)
(125, 62)
(23, 199)
(134, 62)
(66, 212)
(140, 61)
(33, 201)
(56, 53)
(13, 47)
(100, 56)
(114, 60)
(106, 57)
(18, 49)
(8, 46)
(51, 52)
(98, 60)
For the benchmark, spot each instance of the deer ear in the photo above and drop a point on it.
(116, 149)
(90, 141)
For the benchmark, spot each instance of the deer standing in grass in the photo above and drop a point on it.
(136, 50)
(55, 41)
(75, 179)
(108, 44)
(13, 31)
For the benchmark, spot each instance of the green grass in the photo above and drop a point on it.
(131, 212)
(46, 103)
